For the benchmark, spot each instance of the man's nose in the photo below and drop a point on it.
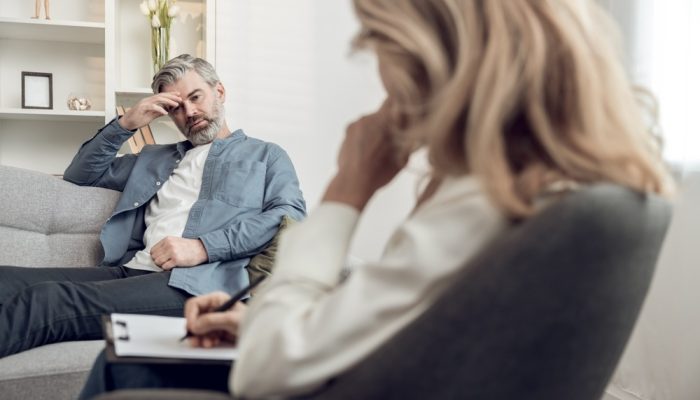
(189, 108)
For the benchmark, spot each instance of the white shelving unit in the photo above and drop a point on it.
(100, 49)
(52, 30)
(51, 115)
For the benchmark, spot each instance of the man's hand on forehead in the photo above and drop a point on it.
(150, 108)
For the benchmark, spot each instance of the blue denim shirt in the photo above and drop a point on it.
(247, 187)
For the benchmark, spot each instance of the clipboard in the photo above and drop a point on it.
(172, 359)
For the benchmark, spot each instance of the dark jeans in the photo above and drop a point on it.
(106, 377)
(46, 305)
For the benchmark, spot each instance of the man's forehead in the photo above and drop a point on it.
(190, 81)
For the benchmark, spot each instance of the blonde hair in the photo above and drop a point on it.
(516, 92)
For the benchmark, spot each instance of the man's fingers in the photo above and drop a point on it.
(170, 95)
(168, 265)
(158, 109)
(160, 259)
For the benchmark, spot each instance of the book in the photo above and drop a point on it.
(151, 339)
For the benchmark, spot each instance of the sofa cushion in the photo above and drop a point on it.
(54, 371)
(48, 222)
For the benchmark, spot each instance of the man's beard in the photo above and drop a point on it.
(207, 134)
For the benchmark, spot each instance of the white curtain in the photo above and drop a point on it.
(662, 44)
(662, 48)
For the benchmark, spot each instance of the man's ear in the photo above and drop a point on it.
(220, 92)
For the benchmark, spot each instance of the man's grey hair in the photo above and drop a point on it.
(177, 67)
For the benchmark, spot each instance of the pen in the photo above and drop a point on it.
(238, 296)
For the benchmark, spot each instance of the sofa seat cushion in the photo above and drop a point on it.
(56, 371)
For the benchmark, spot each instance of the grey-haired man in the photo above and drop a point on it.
(190, 216)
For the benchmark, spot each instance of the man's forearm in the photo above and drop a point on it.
(97, 156)
(248, 237)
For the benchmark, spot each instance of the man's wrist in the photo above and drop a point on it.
(125, 125)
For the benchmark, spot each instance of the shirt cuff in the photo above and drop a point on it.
(114, 133)
(315, 249)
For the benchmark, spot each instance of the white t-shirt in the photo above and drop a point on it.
(167, 212)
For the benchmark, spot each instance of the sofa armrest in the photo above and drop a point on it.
(48, 222)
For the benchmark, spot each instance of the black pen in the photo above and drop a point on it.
(238, 296)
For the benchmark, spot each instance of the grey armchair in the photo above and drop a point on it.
(543, 313)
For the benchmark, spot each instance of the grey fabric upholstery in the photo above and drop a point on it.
(47, 222)
(55, 371)
(543, 313)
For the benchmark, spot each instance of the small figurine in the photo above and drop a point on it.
(37, 9)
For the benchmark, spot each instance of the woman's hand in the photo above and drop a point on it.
(368, 159)
(211, 328)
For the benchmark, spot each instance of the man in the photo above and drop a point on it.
(190, 216)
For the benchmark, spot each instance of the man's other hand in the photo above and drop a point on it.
(178, 252)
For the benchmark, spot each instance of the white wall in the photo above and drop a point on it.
(291, 80)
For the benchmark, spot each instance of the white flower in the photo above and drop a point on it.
(152, 5)
(155, 21)
(144, 8)
(172, 12)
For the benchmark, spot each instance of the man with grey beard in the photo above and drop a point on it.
(190, 216)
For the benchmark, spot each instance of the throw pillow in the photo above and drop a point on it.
(263, 262)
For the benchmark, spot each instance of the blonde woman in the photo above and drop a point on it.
(513, 100)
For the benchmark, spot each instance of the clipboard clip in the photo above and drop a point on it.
(123, 327)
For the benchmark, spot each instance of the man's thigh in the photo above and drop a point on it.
(53, 311)
(15, 279)
(146, 293)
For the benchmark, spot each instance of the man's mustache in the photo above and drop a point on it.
(194, 121)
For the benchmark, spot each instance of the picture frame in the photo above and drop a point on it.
(37, 90)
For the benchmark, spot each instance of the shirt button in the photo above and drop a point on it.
(136, 204)
(158, 183)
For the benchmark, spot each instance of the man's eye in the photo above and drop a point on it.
(194, 98)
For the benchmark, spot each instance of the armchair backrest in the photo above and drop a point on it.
(543, 313)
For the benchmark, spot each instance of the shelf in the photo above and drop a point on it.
(52, 115)
(52, 30)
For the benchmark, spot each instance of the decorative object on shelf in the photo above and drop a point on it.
(37, 90)
(37, 9)
(78, 102)
(160, 14)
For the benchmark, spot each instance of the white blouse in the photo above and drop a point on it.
(305, 327)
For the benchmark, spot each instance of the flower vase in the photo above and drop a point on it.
(160, 47)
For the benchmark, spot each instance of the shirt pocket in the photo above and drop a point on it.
(241, 184)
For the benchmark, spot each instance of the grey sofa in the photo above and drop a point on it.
(544, 313)
(47, 222)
